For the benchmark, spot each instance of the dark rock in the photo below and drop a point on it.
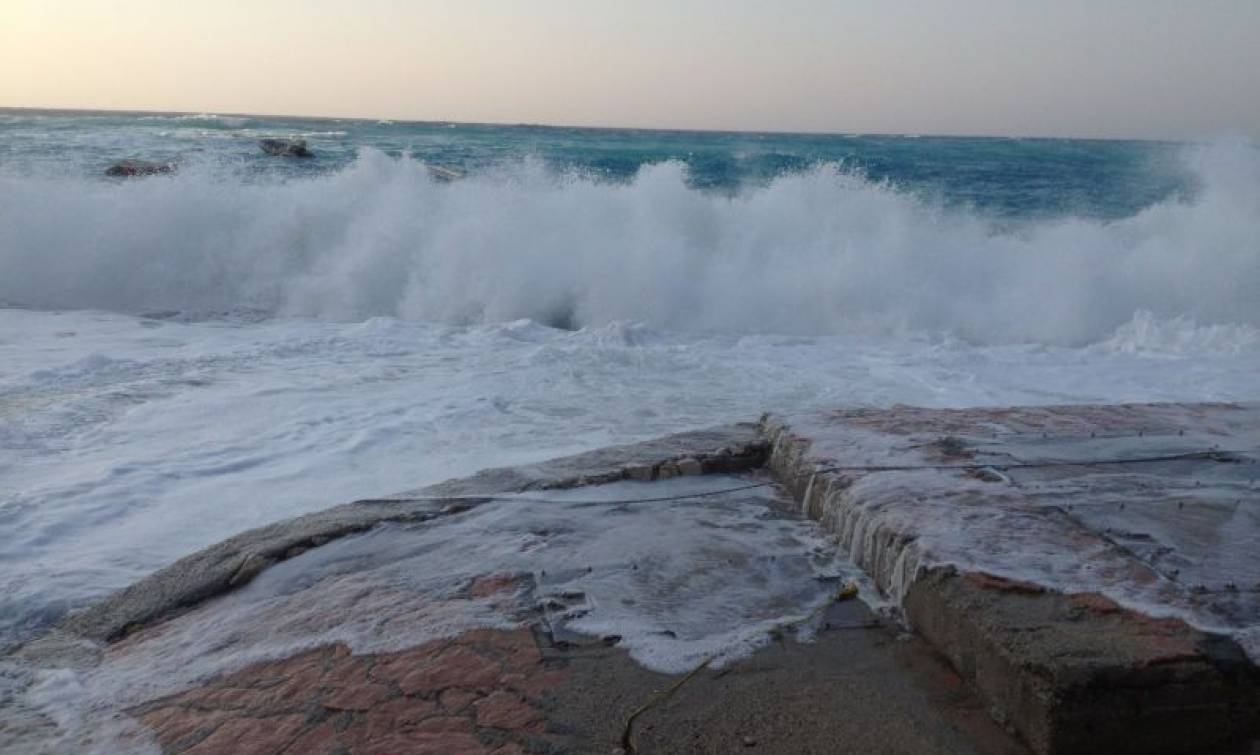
(285, 147)
(136, 168)
(444, 174)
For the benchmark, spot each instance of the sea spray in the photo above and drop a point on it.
(823, 251)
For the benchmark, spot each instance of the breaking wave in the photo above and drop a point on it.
(819, 252)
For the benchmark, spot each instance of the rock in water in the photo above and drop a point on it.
(443, 174)
(134, 168)
(285, 147)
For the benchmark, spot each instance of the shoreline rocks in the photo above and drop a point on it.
(285, 147)
(138, 168)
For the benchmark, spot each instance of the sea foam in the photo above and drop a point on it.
(819, 252)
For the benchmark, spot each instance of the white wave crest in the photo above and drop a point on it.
(1148, 335)
(819, 252)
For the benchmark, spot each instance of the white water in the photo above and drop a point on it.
(679, 584)
(674, 583)
(126, 443)
(822, 252)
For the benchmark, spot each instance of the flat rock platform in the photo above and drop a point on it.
(1069, 579)
(1092, 571)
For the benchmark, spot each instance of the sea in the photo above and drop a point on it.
(247, 337)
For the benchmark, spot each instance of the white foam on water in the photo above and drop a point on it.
(819, 252)
(126, 443)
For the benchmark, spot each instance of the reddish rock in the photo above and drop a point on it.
(421, 743)
(292, 694)
(392, 668)
(455, 700)
(518, 649)
(993, 582)
(264, 708)
(321, 740)
(505, 710)
(390, 716)
(176, 725)
(455, 667)
(250, 736)
(363, 697)
(271, 673)
(444, 724)
(347, 671)
(235, 698)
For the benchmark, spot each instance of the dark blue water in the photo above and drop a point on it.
(1005, 178)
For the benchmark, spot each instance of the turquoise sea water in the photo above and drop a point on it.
(1016, 178)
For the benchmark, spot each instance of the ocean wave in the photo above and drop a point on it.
(818, 252)
(1148, 335)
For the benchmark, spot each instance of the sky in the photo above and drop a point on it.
(1107, 68)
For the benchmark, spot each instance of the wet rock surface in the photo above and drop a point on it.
(860, 687)
(1078, 673)
(138, 168)
(1052, 596)
(1081, 566)
(285, 147)
(477, 693)
(234, 562)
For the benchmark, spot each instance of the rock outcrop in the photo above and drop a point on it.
(137, 168)
(285, 147)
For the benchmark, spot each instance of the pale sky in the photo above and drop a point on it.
(1113, 68)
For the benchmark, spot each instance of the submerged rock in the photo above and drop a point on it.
(134, 168)
(285, 147)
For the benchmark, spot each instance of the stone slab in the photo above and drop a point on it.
(237, 560)
(1047, 552)
(1089, 574)
(861, 686)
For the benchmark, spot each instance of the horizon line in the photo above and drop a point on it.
(659, 129)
